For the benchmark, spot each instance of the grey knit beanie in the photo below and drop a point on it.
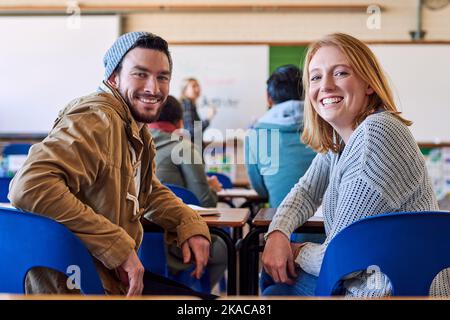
(115, 54)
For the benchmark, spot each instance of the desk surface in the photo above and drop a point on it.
(228, 217)
(444, 204)
(249, 194)
(6, 205)
(265, 215)
(241, 183)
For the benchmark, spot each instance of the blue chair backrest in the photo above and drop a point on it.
(186, 195)
(224, 180)
(4, 188)
(152, 255)
(28, 240)
(153, 258)
(16, 148)
(410, 248)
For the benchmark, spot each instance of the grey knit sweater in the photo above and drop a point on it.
(380, 170)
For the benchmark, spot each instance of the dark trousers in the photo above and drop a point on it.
(155, 284)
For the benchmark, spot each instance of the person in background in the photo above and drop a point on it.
(186, 171)
(190, 92)
(285, 115)
(190, 171)
(368, 163)
(94, 174)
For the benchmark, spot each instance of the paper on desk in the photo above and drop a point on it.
(238, 192)
(204, 211)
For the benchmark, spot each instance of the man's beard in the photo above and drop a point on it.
(142, 117)
(139, 117)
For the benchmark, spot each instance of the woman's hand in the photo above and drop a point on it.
(277, 258)
(295, 248)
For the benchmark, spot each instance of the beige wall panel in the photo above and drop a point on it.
(397, 19)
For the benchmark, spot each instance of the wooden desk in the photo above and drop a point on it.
(243, 183)
(444, 204)
(250, 247)
(265, 216)
(252, 198)
(228, 217)
(6, 205)
(248, 194)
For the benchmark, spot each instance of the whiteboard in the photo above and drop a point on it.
(232, 79)
(420, 79)
(47, 61)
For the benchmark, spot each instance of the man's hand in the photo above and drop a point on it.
(277, 258)
(199, 247)
(131, 274)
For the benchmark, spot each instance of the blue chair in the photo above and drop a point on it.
(186, 195)
(28, 240)
(153, 257)
(16, 148)
(410, 248)
(224, 180)
(4, 188)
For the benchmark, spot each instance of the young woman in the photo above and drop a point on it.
(190, 92)
(368, 164)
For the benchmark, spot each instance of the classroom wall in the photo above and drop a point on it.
(397, 19)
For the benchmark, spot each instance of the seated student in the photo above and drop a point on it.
(93, 174)
(186, 170)
(285, 116)
(368, 164)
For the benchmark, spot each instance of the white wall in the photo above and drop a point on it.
(44, 64)
(232, 78)
(420, 78)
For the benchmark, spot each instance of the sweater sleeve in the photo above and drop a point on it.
(304, 198)
(359, 200)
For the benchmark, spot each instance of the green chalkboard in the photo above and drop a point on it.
(280, 55)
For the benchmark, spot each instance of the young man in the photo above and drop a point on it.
(285, 117)
(94, 173)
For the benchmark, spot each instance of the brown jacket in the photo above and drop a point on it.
(82, 173)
